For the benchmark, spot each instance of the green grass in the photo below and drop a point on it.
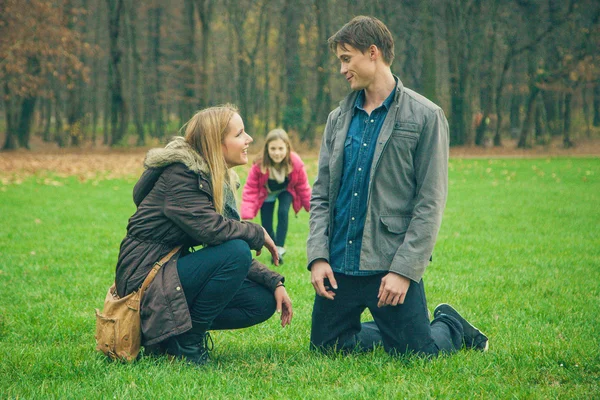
(518, 254)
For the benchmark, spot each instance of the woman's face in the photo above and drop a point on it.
(277, 150)
(236, 142)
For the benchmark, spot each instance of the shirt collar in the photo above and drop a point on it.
(360, 99)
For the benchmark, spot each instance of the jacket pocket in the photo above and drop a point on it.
(408, 130)
(391, 234)
(396, 224)
(407, 127)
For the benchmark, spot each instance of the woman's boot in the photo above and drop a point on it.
(192, 346)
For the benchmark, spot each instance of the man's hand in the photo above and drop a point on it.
(284, 305)
(392, 290)
(319, 271)
(270, 245)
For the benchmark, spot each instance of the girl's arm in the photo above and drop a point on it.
(303, 188)
(250, 193)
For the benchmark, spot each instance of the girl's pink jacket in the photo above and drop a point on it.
(255, 190)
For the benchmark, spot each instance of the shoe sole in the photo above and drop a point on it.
(475, 333)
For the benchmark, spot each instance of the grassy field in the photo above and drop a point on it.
(518, 254)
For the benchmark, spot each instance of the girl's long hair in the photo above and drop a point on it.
(205, 132)
(265, 161)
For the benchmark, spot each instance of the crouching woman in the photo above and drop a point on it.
(185, 197)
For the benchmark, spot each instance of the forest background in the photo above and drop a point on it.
(121, 73)
(88, 85)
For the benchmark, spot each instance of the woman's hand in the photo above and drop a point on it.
(270, 245)
(284, 305)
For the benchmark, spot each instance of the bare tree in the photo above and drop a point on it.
(118, 108)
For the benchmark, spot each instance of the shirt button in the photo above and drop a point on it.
(178, 288)
(352, 218)
(355, 194)
(350, 241)
(372, 120)
(360, 169)
(364, 144)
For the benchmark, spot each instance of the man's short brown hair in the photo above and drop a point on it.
(361, 32)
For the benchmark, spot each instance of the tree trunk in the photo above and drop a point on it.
(205, 13)
(28, 106)
(74, 104)
(585, 99)
(486, 78)
(596, 103)
(567, 142)
(148, 87)
(280, 94)
(188, 73)
(47, 105)
(25, 120)
(531, 10)
(59, 132)
(293, 111)
(515, 114)
(429, 71)
(551, 60)
(246, 60)
(118, 114)
(541, 136)
(160, 124)
(12, 119)
(266, 76)
(135, 61)
(524, 141)
(95, 89)
(552, 112)
(458, 22)
(499, 89)
(322, 11)
(410, 68)
(106, 116)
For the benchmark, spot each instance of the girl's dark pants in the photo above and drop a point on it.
(266, 215)
(218, 294)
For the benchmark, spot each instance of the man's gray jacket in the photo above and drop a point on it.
(407, 189)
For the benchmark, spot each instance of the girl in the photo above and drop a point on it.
(278, 174)
(185, 198)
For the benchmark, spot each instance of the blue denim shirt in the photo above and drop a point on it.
(351, 204)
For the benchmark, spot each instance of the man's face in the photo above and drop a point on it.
(358, 68)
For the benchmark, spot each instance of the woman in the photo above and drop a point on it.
(186, 198)
(278, 175)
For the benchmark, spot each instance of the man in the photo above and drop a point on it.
(376, 209)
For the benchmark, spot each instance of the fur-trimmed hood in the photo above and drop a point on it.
(176, 151)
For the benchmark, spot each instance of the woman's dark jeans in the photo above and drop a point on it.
(266, 216)
(218, 294)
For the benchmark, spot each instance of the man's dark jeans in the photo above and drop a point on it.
(401, 329)
(218, 294)
(266, 217)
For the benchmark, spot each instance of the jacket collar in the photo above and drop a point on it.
(176, 151)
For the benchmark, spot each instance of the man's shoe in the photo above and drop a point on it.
(473, 337)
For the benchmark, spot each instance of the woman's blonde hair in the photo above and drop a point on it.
(205, 132)
(265, 160)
